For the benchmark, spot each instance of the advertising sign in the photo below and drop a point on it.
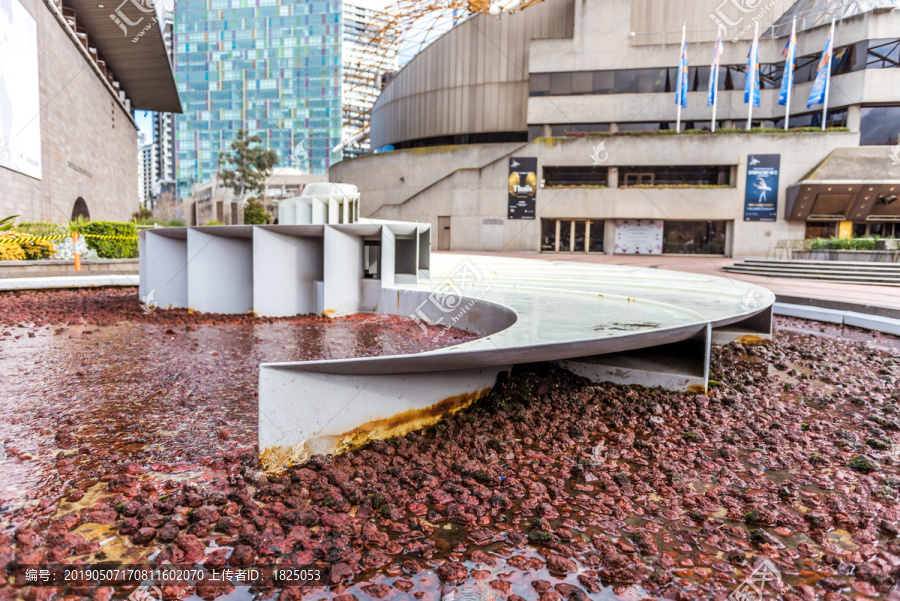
(522, 187)
(761, 194)
(20, 120)
(639, 236)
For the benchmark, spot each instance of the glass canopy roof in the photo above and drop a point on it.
(813, 13)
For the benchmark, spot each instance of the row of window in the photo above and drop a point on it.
(189, 6)
(879, 125)
(871, 54)
(265, 16)
(679, 237)
(639, 175)
(199, 124)
(285, 136)
(835, 118)
(266, 78)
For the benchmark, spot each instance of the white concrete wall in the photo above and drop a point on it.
(219, 272)
(343, 271)
(285, 269)
(168, 276)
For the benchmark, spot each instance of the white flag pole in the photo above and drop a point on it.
(752, 73)
(791, 55)
(678, 80)
(828, 78)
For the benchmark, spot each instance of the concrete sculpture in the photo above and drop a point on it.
(607, 323)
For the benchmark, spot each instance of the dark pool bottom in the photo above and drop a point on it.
(551, 488)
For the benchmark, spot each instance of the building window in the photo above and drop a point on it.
(566, 177)
(879, 125)
(574, 129)
(871, 54)
(835, 118)
(675, 176)
(821, 229)
(694, 237)
(572, 235)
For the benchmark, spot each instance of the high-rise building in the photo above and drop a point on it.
(147, 170)
(164, 141)
(164, 123)
(364, 62)
(272, 68)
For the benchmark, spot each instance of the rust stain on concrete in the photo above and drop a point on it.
(276, 458)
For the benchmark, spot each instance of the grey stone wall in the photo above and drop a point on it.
(88, 140)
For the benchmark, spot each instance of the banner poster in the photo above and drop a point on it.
(761, 194)
(522, 187)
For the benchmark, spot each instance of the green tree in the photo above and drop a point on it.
(247, 166)
(255, 213)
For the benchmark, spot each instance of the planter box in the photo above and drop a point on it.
(857, 256)
(52, 268)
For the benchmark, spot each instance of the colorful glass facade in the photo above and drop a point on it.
(272, 67)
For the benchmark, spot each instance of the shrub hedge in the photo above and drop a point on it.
(110, 248)
(25, 248)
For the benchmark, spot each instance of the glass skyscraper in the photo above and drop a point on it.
(272, 67)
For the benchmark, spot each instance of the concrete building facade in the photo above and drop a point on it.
(588, 91)
(87, 91)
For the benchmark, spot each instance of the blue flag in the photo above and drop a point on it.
(823, 73)
(681, 86)
(714, 73)
(751, 85)
(790, 55)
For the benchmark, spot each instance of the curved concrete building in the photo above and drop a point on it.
(578, 98)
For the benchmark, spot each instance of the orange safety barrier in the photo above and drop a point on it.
(76, 254)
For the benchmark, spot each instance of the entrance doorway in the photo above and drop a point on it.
(572, 235)
(444, 233)
(80, 209)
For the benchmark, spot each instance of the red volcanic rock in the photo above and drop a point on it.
(102, 516)
(167, 533)
(103, 593)
(122, 483)
(377, 591)
(211, 589)
(340, 572)
(153, 520)
(129, 526)
(242, 556)
(560, 565)
(192, 548)
(453, 572)
(143, 536)
(204, 513)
